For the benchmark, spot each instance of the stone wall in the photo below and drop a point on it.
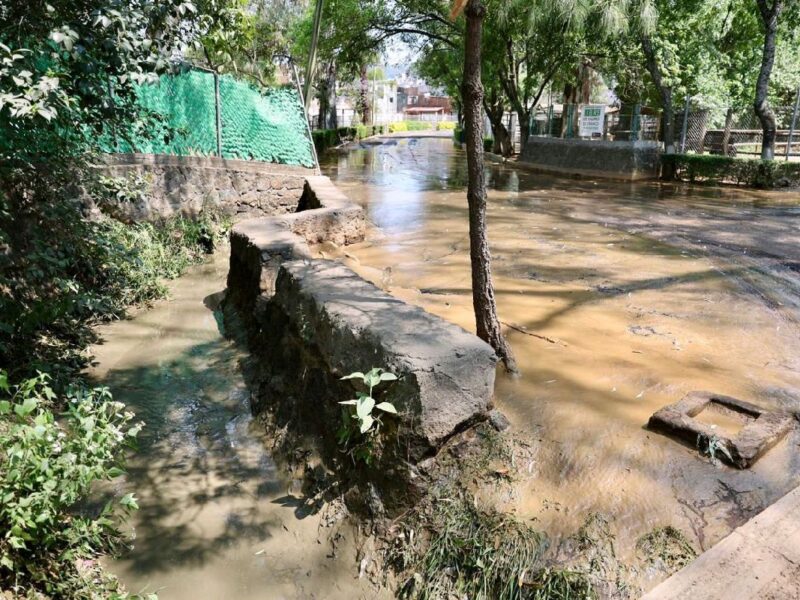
(593, 158)
(186, 185)
(309, 321)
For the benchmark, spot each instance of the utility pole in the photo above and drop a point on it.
(312, 55)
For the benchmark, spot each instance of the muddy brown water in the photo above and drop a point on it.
(617, 299)
(218, 520)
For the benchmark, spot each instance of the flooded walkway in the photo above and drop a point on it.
(758, 561)
(617, 299)
(218, 519)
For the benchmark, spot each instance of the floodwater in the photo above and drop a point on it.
(218, 520)
(617, 299)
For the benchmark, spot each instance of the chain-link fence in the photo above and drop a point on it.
(204, 114)
(736, 131)
(598, 122)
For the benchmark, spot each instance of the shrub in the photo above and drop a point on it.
(488, 144)
(400, 126)
(47, 466)
(445, 125)
(725, 169)
(458, 134)
(420, 125)
(62, 273)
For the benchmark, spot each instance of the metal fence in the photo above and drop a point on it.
(737, 131)
(626, 123)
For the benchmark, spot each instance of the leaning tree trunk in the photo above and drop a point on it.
(483, 301)
(664, 91)
(769, 18)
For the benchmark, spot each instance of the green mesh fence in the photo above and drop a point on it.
(265, 126)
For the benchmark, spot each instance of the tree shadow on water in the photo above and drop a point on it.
(201, 473)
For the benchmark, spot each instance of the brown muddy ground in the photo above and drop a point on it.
(617, 299)
(218, 519)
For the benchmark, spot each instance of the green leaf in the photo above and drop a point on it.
(349, 402)
(364, 407)
(356, 375)
(129, 501)
(7, 563)
(5, 407)
(388, 377)
(373, 378)
(387, 407)
(366, 423)
(28, 406)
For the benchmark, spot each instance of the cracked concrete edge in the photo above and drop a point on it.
(758, 561)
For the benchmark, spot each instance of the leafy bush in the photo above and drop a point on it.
(458, 134)
(488, 144)
(445, 125)
(47, 466)
(716, 169)
(400, 126)
(420, 126)
(61, 274)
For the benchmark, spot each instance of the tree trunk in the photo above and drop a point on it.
(769, 18)
(664, 91)
(334, 117)
(363, 97)
(483, 301)
(312, 54)
(494, 111)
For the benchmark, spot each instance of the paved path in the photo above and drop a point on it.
(758, 561)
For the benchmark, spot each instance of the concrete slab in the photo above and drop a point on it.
(761, 429)
(758, 561)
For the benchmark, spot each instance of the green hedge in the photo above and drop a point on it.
(715, 169)
(330, 138)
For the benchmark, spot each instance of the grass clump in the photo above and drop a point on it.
(668, 546)
(452, 548)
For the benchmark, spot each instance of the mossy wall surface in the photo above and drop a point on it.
(257, 125)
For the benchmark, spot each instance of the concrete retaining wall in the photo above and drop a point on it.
(611, 160)
(187, 184)
(310, 321)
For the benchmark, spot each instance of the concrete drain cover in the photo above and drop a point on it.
(747, 431)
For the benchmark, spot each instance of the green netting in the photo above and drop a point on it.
(268, 126)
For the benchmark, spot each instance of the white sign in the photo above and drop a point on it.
(592, 119)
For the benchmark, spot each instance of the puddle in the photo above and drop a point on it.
(617, 299)
(724, 421)
(217, 519)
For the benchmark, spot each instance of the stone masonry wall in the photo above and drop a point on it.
(187, 185)
(593, 158)
(309, 321)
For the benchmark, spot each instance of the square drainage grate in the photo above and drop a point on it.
(746, 430)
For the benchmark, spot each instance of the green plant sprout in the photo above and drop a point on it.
(365, 403)
(712, 446)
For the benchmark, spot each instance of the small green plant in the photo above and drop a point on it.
(47, 468)
(358, 433)
(365, 403)
(712, 446)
